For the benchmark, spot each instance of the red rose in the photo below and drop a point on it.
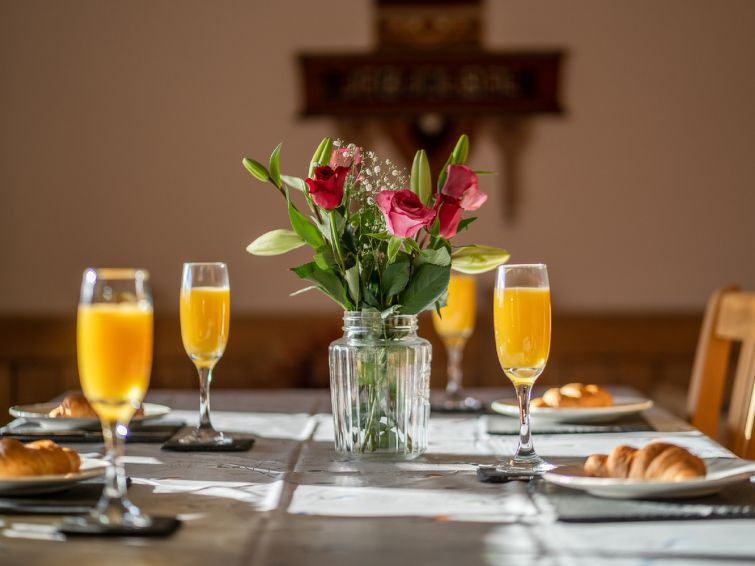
(461, 185)
(449, 215)
(327, 186)
(404, 212)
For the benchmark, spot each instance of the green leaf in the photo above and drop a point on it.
(436, 257)
(389, 311)
(325, 259)
(274, 166)
(378, 236)
(321, 155)
(478, 259)
(393, 247)
(461, 151)
(306, 230)
(275, 242)
(485, 173)
(427, 286)
(464, 224)
(352, 281)
(395, 277)
(295, 183)
(326, 280)
(257, 170)
(420, 181)
(411, 244)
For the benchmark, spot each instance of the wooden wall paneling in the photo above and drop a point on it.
(6, 393)
(267, 351)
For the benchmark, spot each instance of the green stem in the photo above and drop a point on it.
(312, 206)
(335, 241)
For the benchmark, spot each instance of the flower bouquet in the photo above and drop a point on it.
(382, 251)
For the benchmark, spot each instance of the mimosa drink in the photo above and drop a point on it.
(454, 325)
(115, 357)
(457, 318)
(205, 318)
(205, 304)
(522, 319)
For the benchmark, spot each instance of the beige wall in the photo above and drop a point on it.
(122, 126)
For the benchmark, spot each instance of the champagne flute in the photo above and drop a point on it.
(114, 343)
(522, 320)
(205, 306)
(455, 325)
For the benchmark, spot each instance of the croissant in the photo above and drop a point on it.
(76, 405)
(39, 458)
(655, 461)
(574, 395)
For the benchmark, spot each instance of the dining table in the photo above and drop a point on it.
(291, 500)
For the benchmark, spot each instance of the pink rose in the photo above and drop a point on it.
(404, 213)
(345, 157)
(461, 185)
(449, 215)
(327, 186)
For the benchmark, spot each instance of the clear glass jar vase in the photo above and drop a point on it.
(380, 387)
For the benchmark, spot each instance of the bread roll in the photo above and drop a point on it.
(76, 405)
(574, 395)
(39, 458)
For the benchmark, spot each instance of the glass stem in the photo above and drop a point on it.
(115, 478)
(205, 379)
(455, 354)
(525, 448)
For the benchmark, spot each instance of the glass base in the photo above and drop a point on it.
(534, 465)
(113, 513)
(204, 437)
(460, 403)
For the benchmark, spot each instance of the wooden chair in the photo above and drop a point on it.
(729, 317)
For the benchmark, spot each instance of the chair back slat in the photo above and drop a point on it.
(709, 370)
(740, 423)
(736, 319)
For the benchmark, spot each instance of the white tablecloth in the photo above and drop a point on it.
(288, 501)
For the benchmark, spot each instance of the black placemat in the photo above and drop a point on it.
(160, 527)
(74, 500)
(457, 410)
(499, 424)
(239, 444)
(572, 506)
(491, 474)
(148, 432)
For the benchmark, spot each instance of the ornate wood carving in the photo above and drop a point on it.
(429, 79)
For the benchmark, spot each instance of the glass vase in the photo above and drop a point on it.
(380, 387)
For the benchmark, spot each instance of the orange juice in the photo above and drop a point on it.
(115, 357)
(457, 318)
(205, 318)
(522, 319)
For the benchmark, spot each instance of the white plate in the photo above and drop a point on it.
(720, 474)
(39, 413)
(90, 468)
(622, 407)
